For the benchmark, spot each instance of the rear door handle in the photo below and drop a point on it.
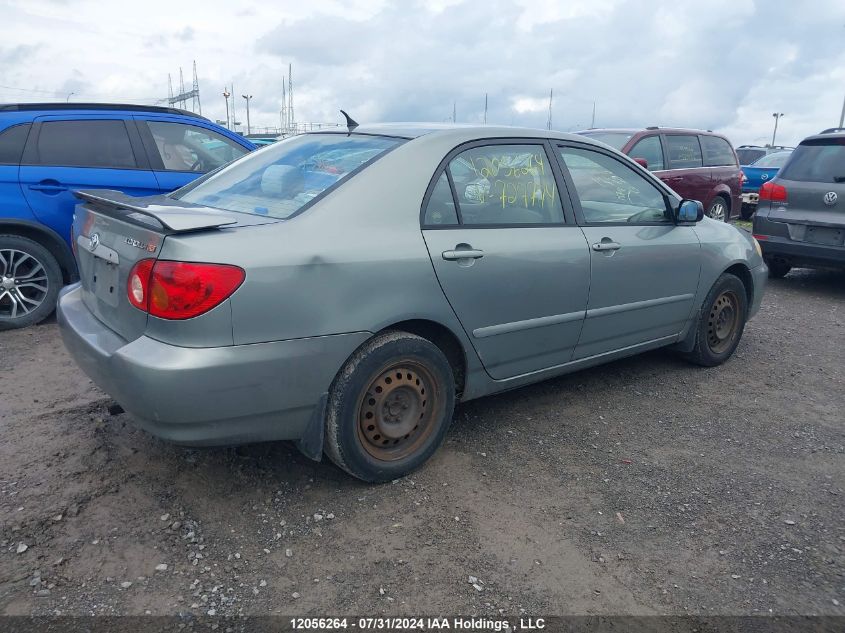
(469, 253)
(607, 246)
(48, 188)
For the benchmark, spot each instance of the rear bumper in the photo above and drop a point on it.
(750, 197)
(206, 396)
(776, 244)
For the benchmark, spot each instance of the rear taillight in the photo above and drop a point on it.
(181, 290)
(772, 192)
(742, 178)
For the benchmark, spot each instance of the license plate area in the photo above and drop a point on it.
(824, 235)
(104, 281)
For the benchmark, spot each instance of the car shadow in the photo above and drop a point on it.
(829, 282)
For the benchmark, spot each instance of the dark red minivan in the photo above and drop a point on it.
(697, 165)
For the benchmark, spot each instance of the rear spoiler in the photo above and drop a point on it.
(165, 213)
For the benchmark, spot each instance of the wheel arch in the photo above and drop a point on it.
(49, 239)
(443, 338)
(742, 271)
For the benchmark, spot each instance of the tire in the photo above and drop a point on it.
(373, 431)
(778, 268)
(716, 339)
(30, 280)
(720, 209)
(747, 211)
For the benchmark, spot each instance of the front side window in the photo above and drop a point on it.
(84, 143)
(184, 147)
(611, 191)
(717, 152)
(281, 179)
(650, 150)
(505, 184)
(683, 151)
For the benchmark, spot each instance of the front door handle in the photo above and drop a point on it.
(607, 246)
(458, 254)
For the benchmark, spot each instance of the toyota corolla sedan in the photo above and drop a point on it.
(346, 289)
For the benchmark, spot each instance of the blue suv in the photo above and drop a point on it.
(48, 150)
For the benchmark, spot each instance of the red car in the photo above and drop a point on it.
(698, 165)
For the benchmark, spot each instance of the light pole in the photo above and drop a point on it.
(70, 94)
(777, 116)
(247, 98)
(226, 95)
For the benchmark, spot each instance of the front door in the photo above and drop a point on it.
(181, 152)
(66, 154)
(514, 270)
(645, 268)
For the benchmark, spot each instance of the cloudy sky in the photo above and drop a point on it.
(725, 65)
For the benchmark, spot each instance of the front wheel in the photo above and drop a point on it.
(389, 407)
(720, 322)
(30, 279)
(719, 210)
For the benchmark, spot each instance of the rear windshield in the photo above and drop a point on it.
(281, 179)
(819, 160)
(748, 156)
(616, 140)
(775, 160)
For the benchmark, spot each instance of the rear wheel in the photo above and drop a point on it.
(390, 407)
(720, 322)
(719, 210)
(30, 279)
(778, 268)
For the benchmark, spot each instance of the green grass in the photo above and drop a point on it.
(743, 224)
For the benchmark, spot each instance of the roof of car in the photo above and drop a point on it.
(824, 135)
(29, 107)
(652, 128)
(416, 130)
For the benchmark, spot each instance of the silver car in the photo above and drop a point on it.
(345, 290)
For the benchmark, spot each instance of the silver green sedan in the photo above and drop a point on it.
(346, 289)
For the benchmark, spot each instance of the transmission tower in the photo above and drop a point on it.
(182, 98)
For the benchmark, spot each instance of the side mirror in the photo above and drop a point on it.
(690, 211)
(641, 161)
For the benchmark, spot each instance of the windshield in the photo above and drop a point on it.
(616, 140)
(821, 160)
(281, 179)
(775, 160)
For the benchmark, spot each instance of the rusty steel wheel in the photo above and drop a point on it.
(723, 322)
(395, 413)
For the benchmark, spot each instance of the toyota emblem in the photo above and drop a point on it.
(95, 242)
(830, 198)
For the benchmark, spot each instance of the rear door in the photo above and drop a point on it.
(515, 271)
(180, 152)
(645, 268)
(685, 171)
(68, 153)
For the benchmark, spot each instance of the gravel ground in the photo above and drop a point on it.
(646, 486)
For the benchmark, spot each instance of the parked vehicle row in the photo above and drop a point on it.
(346, 289)
(698, 165)
(48, 151)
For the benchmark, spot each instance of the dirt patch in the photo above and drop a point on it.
(646, 486)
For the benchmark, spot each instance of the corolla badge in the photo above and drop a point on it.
(830, 198)
(95, 242)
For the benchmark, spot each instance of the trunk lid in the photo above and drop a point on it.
(113, 231)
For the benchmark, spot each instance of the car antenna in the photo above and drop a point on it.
(351, 123)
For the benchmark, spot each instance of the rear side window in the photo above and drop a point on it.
(440, 210)
(821, 160)
(505, 184)
(182, 147)
(684, 152)
(717, 152)
(12, 141)
(84, 144)
(651, 151)
(282, 179)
